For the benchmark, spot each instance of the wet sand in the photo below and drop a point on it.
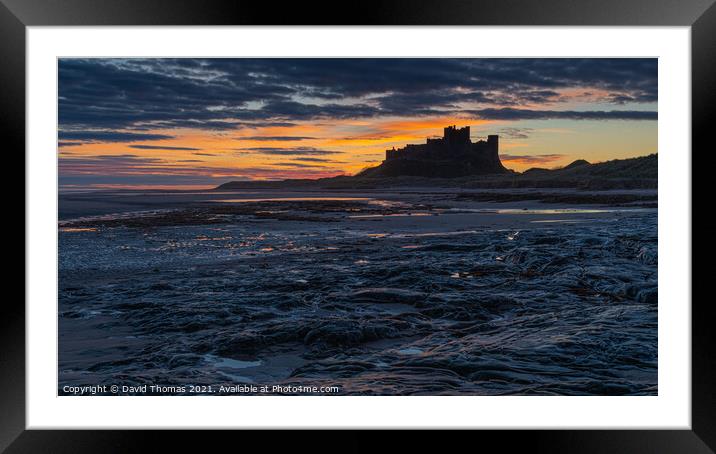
(376, 292)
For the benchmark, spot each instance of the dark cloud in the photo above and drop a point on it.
(530, 159)
(212, 125)
(118, 160)
(309, 159)
(289, 151)
(125, 164)
(265, 124)
(622, 98)
(509, 113)
(515, 133)
(160, 147)
(109, 136)
(129, 169)
(229, 94)
(376, 138)
(275, 138)
(297, 165)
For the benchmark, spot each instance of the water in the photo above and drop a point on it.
(473, 303)
(290, 199)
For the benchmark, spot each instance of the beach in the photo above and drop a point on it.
(432, 291)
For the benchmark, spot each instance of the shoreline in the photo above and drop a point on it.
(105, 202)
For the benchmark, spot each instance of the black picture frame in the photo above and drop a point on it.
(16, 15)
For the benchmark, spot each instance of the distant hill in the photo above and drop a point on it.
(642, 167)
(633, 173)
(577, 163)
(633, 169)
(641, 172)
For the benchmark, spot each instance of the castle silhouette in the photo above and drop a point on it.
(452, 155)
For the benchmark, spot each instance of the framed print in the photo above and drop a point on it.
(452, 216)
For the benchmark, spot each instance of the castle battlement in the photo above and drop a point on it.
(452, 154)
(452, 135)
(454, 142)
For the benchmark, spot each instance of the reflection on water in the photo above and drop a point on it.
(545, 210)
(553, 211)
(369, 216)
(77, 229)
(294, 199)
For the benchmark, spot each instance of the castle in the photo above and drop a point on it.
(452, 155)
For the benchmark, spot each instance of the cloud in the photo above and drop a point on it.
(222, 124)
(508, 113)
(160, 147)
(515, 133)
(309, 159)
(130, 100)
(62, 144)
(274, 138)
(264, 124)
(530, 159)
(137, 170)
(229, 94)
(289, 151)
(119, 160)
(297, 165)
(109, 136)
(366, 138)
(124, 164)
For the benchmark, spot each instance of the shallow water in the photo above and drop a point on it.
(290, 199)
(368, 306)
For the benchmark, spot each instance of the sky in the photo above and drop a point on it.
(197, 123)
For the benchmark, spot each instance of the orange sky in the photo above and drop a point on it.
(347, 146)
(313, 118)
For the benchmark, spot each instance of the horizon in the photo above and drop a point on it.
(199, 123)
(70, 188)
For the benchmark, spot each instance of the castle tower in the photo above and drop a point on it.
(453, 136)
(493, 143)
(493, 148)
